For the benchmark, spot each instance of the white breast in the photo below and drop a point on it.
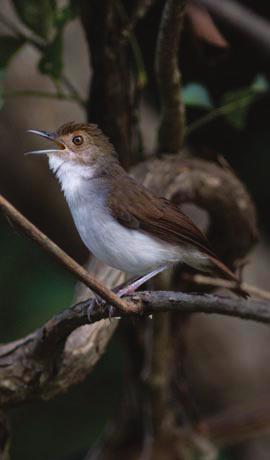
(128, 250)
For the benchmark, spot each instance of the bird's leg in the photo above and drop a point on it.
(122, 290)
(134, 284)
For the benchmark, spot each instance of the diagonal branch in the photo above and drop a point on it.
(35, 234)
(172, 127)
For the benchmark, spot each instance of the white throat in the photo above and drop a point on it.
(70, 174)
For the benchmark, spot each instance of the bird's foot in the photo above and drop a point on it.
(96, 303)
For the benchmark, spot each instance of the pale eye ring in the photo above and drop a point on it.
(77, 140)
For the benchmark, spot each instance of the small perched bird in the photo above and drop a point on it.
(120, 221)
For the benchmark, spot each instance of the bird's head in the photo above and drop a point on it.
(81, 144)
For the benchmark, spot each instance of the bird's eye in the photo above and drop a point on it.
(77, 140)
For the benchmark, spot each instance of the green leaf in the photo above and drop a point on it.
(196, 95)
(38, 15)
(9, 45)
(260, 84)
(51, 62)
(236, 103)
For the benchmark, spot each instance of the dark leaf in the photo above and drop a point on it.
(51, 62)
(8, 47)
(38, 15)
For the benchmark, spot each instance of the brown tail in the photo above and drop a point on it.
(225, 272)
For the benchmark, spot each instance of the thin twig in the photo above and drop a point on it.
(35, 234)
(72, 89)
(128, 33)
(9, 25)
(217, 282)
(173, 122)
(138, 10)
(230, 107)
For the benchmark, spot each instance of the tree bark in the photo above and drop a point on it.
(113, 93)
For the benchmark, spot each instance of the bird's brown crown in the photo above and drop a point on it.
(71, 126)
(82, 136)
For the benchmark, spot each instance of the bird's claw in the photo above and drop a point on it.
(112, 312)
(96, 303)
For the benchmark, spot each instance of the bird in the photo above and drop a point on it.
(120, 221)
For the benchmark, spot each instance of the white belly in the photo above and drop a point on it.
(128, 250)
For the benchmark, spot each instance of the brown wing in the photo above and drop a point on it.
(135, 207)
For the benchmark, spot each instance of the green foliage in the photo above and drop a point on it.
(51, 62)
(9, 46)
(37, 15)
(47, 20)
(236, 103)
(196, 95)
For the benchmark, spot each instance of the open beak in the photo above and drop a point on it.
(52, 137)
